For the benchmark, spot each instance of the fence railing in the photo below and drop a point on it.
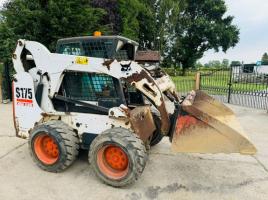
(229, 86)
(216, 83)
(236, 87)
(184, 84)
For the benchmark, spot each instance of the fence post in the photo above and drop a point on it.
(1, 95)
(8, 81)
(197, 81)
(230, 86)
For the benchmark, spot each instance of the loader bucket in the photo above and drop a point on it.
(207, 126)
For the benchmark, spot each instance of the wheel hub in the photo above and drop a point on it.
(113, 161)
(116, 158)
(46, 149)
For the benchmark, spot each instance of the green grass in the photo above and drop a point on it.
(184, 83)
(221, 80)
(183, 78)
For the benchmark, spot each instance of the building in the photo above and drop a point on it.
(250, 73)
(148, 57)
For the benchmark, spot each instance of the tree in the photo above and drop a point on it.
(167, 12)
(46, 21)
(198, 65)
(112, 18)
(131, 18)
(150, 22)
(7, 42)
(213, 64)
(129, 11)
(225, 63)
(147, 26)
(203, 25)
(235, 63)
(264, 58)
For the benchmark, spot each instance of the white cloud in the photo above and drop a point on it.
(2, 2)
(251, 17)
(248, 11)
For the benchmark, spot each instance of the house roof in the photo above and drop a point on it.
(148, 56)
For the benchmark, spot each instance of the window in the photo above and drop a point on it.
(98, 48)
(248, 68)
(102, 47)
(126, 52)
(71, 49)
(85, 86)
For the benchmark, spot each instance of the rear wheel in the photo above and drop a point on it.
(53, 146)
(118, 157)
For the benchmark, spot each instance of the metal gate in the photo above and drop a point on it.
(235, 86)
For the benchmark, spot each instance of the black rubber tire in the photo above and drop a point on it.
(157, 135)
(132, 145)
(65, 138)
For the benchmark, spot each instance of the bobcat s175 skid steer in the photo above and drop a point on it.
(92, 95)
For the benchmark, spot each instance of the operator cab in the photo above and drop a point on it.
(99, 89)
(108, 47)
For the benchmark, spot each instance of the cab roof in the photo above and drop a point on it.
(117, 37)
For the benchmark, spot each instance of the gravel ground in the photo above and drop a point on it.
(166, 176)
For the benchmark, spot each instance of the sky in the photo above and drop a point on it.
(251, 17)
(1, 2)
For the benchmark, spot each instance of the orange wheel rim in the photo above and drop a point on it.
(46, 149)
(113, 161)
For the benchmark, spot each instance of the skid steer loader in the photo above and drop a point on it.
(92, 95)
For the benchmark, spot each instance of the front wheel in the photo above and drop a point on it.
(118, 157)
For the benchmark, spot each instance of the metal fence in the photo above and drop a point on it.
(184, 86)
(237, 87)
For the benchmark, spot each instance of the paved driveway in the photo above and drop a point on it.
(166, 176)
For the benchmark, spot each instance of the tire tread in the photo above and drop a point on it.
(68, 137)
